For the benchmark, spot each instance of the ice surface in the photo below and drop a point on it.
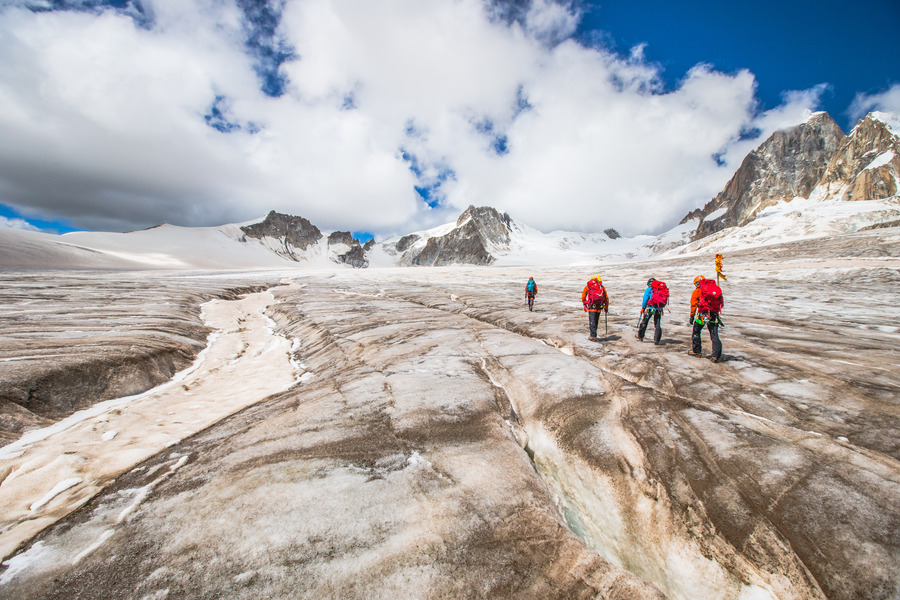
(394, 466)
(249, 362)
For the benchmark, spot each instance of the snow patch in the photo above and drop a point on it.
(799, 219)
(145, 491)
(103, 537)
(22, 562)
(891, 121)
(57, 490)
(716, 214)
(883, 159)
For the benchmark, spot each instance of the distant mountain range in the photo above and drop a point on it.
(806, 181)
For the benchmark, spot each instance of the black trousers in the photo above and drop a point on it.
(657, 323)
(593, 322)
(713, 325)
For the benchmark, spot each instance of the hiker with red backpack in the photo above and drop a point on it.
(656, 297)
(706, 304)
(595, 301)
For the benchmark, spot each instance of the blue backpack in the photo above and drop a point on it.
(529, 287)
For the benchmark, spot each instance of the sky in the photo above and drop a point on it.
(393, 116)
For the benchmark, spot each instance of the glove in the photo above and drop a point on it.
(691, 320)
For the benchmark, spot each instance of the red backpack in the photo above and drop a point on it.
(596, 294)
(659, 294)
(710, 297)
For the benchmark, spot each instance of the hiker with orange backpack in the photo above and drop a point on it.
(530, 292)
(656, 296)
(595, 301)
(706, 304)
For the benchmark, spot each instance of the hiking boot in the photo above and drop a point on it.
(592, 339)
(656, 343)
(714, 359)
(640, 339)
(692, 353)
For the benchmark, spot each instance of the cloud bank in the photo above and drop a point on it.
(381, 116)
(17, 224)
(887, 101)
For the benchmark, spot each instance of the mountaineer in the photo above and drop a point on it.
(595, 300)
(719, 273)
(706, 304)
(530, 292)
(656, 296)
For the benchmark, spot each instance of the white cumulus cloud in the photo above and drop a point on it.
(117, 122)
(17, 224)
(886, 101)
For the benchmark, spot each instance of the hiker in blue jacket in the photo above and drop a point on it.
(530, 292)
(656, 296)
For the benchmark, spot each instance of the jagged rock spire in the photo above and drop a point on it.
(788, 164)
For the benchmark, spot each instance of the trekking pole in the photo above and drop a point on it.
(606, 321)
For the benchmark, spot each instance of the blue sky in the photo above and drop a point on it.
(391, 116)
(851, 47)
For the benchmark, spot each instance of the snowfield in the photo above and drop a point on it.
(417, 433)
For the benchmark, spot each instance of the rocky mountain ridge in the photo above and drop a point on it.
(866, 166)
(291, 237)
(477, 232)
(807, 181)
(813, 160)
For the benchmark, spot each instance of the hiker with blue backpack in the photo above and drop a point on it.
(656, 297)
(530, 292)
(706, 304)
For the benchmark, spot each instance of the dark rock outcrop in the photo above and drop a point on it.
(612, 234)
(294, 232)
(492, 226)
(477, 230)
(342, 237)
(356, 256)
(463, 245)
(406, 241)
